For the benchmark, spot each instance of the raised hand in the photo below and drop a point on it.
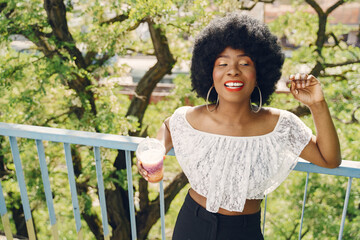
(306, 89)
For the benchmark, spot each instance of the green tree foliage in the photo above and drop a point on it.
(323, 52)
(65, 80)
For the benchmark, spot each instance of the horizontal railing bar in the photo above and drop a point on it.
(112, 141)
(347, 168)
(70, 136)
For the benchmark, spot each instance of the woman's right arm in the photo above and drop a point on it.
(164, 135)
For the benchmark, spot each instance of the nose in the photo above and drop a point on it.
(233, 70)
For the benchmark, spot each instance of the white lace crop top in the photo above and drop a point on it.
(227, 170)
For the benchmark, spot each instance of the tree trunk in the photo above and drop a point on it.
(56, 13)
(148, 82)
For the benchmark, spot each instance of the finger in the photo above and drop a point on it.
(289, 81)
(303, 83)
(146, 178)
(144, 173)
(303, 76)
(141, 169)
(138, 163)
(298, 84)
(313, 80)
(293, 89)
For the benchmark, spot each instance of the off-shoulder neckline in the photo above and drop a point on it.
(228, 136)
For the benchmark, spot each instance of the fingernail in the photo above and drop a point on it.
(296, 91)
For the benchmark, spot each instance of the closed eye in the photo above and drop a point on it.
(223, 64)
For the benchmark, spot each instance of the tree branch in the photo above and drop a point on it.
(331, 65)
(338, 77)
(336, 40)
(98, 62)
(300, 111)
(353, 120)
(321, 33)
(242, 7)
(334, 6)
(3, 5)
(121, 18)
(118, 18)
(73, 109)
(165, 62)
(56, 13)
(292, 234)
(316, 7)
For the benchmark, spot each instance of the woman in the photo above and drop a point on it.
(232, 152)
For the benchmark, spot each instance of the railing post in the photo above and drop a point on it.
(264, 218)
(347, 196)
(22, 186)
(72, 183)
(130, 194)
(162, 209)
(101, 190)
(303, 205)
(47, 188)
(4, 216)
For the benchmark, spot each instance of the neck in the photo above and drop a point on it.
(234, 112)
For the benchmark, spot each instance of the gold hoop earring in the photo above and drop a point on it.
(260, 102)
(207, 100)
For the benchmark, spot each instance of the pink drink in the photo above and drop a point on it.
(151, 154)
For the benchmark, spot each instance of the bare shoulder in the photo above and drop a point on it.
(167, 122)
(270, 116)
(195, 114)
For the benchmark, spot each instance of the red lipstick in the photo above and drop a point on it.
(233, 85)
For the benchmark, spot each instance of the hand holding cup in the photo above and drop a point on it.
(150, 157)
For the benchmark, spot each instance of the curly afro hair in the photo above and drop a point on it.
(238, 32)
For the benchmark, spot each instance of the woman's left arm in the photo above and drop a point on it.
(324, 148)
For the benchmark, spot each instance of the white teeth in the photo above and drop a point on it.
(234, 84)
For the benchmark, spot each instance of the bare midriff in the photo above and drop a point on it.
(251, 205)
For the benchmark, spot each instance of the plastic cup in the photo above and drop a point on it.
(150, 153)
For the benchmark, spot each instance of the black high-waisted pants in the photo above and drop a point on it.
(196, 223)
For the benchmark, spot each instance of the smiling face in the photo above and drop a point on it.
(234, 75)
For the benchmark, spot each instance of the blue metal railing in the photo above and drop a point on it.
(349, 169)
